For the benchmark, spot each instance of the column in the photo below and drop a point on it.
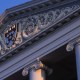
(37, 71)
(75, 44)
(38, 74)
(77, 50)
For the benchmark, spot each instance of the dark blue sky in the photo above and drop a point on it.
(4, 4)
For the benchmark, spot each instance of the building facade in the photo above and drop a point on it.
(40, 40)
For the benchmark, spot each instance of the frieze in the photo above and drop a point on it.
(20, 30)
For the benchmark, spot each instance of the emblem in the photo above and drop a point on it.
(10, 36)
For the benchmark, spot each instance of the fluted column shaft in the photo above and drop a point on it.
(77, 50)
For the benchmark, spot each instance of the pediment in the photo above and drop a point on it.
(21, 30)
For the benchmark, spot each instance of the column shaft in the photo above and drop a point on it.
(37, 74)
(77, 49)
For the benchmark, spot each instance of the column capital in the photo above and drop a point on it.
(37, 65)
(70, 46)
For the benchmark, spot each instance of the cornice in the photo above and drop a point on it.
(30, 7)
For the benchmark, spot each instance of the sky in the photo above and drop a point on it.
(5, 4)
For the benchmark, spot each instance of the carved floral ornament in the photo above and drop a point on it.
(20, 30)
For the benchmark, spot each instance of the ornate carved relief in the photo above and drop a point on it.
(20, 30)
(36, 66)
(3, 47)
